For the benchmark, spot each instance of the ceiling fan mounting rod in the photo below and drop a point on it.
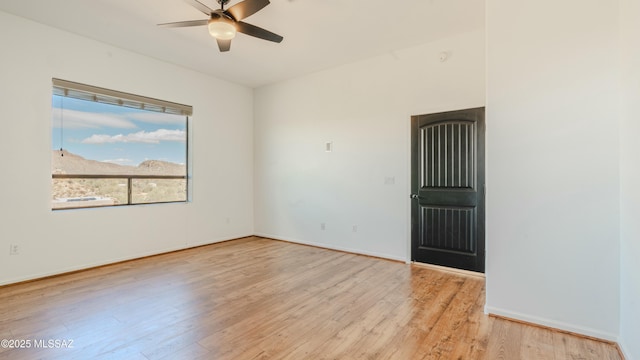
(223, 3)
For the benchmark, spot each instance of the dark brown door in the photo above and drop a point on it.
(447, 184)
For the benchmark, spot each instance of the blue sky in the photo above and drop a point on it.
(117, 134)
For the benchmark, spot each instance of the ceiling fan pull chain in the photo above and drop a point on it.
(62, 122)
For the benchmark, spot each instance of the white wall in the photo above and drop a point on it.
(629, 180)
(54, 242)
(553, 174)
(364, 108)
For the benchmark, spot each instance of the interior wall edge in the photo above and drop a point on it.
(333, 247)
(577, 329)
(623, 349)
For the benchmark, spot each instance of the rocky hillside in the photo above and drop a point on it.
(64, 162)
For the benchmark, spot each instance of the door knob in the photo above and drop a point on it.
(415, 196)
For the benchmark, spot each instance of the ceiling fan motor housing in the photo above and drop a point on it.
(224, 23)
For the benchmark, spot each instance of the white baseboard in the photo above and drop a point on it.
(216, 240)
(334, 247)
(87, 266)
(579, 330)
(116, 260)
(625, 352)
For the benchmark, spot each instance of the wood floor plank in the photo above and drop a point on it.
(505, 340)
(255, 298)
(427, 307)
(451, 326)
(537, 343)
(473, 343)
(326, 332)
(292, 307)
(189, 352)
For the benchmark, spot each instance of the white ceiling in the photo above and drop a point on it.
(318, 34)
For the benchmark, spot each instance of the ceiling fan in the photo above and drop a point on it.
(223, 24)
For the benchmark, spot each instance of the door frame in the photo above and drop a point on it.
(478, 114)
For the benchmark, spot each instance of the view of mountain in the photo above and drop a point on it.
(73, 193)
(64, 162)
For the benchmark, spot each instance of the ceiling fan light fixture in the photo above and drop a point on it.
(223, 24)
(222, 28)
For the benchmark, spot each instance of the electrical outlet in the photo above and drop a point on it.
(228, 220)
(14, 249)
(322, 226)
(355, 228)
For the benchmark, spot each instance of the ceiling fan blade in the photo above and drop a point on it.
(224, 45)
(258, 32)
(246, 8)
(200, 6)
(185, 23)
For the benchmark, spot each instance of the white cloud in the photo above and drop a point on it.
(153, 137)
(74, 119)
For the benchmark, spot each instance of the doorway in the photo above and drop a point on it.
(447, 189)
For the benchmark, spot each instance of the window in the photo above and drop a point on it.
(112, 148)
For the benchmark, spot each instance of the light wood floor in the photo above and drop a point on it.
(262, 299)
